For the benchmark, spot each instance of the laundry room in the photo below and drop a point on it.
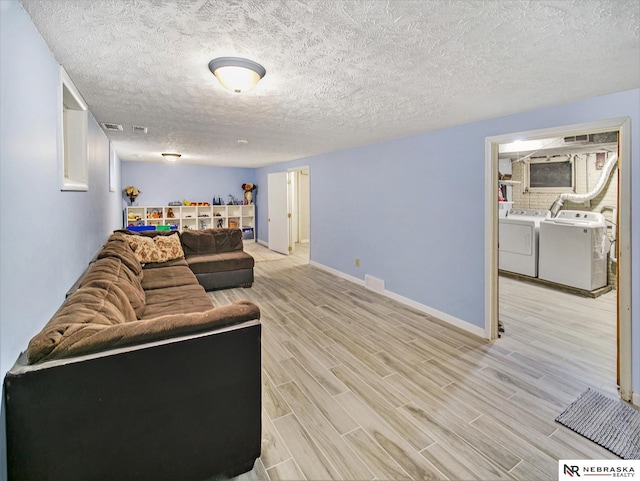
(562, 277)
(558, 204)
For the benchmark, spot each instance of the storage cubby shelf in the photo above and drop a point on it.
(191, 217)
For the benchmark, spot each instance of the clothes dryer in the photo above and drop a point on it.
(573, 249)
(518, 235)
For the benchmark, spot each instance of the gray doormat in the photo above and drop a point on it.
(605, 421)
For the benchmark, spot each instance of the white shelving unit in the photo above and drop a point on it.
(187, 217)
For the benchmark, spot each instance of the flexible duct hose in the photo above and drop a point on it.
(606, 172)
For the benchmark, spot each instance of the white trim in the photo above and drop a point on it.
(298, 170)
(337, 273)
(623, 125)
(491, 240)
(78, 180)
(625, 262)
(454, 321)
(635, 399)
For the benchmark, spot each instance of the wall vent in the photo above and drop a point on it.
(601, 138)
(140, 130)
(374, 283)
(114, 127)
(576, 139)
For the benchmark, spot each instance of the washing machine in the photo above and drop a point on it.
(518, 241)
(573, 249)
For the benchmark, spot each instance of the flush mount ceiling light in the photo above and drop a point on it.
(237, 74)
(171, 157)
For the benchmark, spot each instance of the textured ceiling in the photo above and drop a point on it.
(339, 73)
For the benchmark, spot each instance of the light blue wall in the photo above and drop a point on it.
(47, 236)
(391, 204)
(412, 209)
(161, 183)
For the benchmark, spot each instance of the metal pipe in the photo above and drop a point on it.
(608, 168)
(614, 230)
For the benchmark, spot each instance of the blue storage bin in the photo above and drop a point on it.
(140, 228)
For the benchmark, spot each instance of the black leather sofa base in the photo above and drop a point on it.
(222, 280)
(181, 409)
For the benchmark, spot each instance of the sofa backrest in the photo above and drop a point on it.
(117, 246)
(211, 241)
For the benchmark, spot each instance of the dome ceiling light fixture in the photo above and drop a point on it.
(237, 74)
(171, 157)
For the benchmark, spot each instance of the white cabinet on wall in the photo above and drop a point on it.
(192, 217)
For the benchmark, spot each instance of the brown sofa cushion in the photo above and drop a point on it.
(225, 261)
(228, 240)
(175, 300)
(211, 241)
(108, 270)
(169, 276)
(88, 310)
(171, 263)
(117, 246)
(198, 242)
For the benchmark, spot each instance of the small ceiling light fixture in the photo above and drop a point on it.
(171, 157)
(237, 74)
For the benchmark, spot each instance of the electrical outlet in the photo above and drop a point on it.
(357, 262)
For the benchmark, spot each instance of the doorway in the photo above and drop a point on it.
(622, 246)
(299, 207)
(289, 212)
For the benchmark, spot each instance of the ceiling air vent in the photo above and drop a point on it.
(108, 126)
(140, 130)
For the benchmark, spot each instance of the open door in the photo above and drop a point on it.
(278, 212)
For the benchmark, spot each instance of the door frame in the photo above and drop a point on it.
(294, 175)
(623, 126)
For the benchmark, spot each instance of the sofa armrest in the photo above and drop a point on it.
(93, 337)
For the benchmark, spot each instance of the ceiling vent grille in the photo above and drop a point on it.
(576, 139)
(113, 127)
(601, 138)
(140, 130)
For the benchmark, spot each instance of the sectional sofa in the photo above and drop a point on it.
(138, 376)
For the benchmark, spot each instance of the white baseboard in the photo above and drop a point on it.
(337, 273)
(635, 399)
(454, 321)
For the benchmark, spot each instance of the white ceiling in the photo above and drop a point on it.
(339, 73)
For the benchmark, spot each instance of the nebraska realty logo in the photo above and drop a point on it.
(599, 469)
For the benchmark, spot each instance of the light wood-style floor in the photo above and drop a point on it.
(359, 387)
